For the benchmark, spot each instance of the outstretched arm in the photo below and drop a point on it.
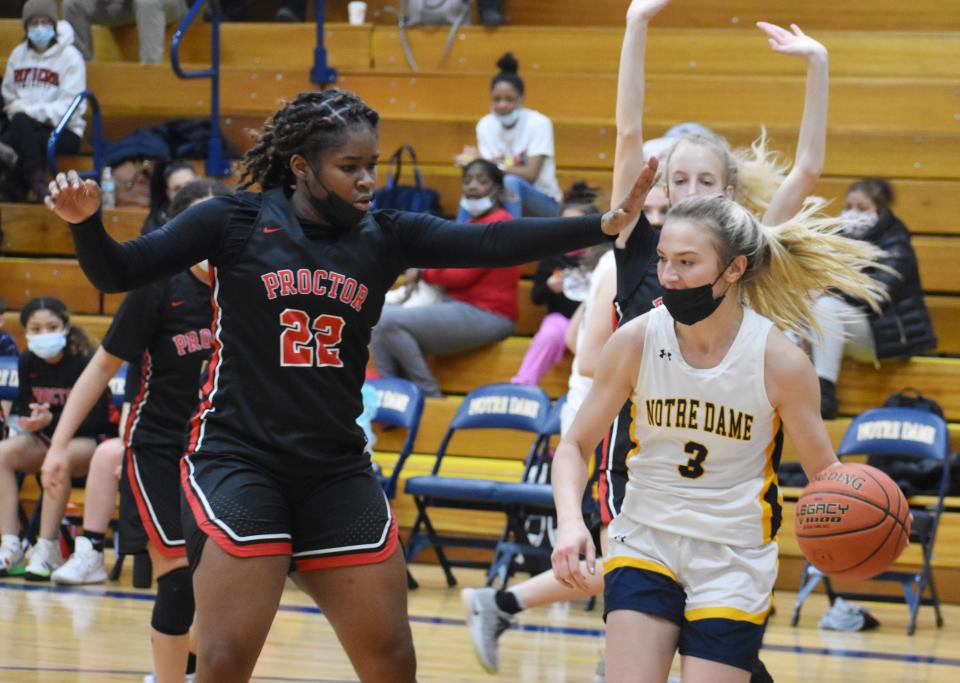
(812, 143)
(189, 238)
(614, 382)
(628, 160)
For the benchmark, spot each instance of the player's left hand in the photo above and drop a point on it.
(797, 43)
(626, 215)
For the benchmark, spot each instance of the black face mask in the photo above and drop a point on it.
(338, 212)
(690, 306)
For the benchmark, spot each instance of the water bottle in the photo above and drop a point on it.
(108, 189)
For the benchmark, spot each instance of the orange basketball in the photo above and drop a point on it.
(852, 521)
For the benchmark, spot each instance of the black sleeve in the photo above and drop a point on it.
(201, 232)
(135, 322)
(424, 241)
(21, 406)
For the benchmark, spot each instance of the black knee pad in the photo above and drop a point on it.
(173, 609)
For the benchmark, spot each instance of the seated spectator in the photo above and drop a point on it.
(480, 305)
(8, 346)
(902, 328)
(520, 142)
(150, 16)
(561, 284)
(57, 352)
(166, 181)
(44, 73)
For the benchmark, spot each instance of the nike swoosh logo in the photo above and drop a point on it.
(174, 304)
(269, 230)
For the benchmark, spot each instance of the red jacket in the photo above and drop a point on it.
(492, 289)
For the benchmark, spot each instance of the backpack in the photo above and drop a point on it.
(415, 198)
(914, 476)
(456, 13)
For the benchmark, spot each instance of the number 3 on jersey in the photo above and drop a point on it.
(299, 337)
(694, 467)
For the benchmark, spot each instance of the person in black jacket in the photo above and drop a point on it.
(902, 328)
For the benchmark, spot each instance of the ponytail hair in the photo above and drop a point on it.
(78, 343)
(788, 264)
(755, 173)
(509, 73)
(313, 123)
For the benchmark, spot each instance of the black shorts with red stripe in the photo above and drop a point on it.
(321, 520)
(612, 466)
(150, 501)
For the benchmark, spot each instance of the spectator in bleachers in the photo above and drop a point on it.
(166, 181)
(44, 73)
(561, 284)
(150, 16)
(902, 328)
(57, 352)
(480, 305)
(520, 141)
(8, 346)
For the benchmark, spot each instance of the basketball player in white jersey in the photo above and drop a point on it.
(693, 558)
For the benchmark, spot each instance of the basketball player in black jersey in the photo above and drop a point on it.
(166, 328)
(275, 465)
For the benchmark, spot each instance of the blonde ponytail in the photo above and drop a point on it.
(788, 264)
(760, 173)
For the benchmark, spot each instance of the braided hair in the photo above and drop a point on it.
(313, 122)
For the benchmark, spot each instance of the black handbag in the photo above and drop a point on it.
(414, 198)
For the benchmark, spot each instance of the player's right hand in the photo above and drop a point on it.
(645, 10)
(73, 199)
(572, 538)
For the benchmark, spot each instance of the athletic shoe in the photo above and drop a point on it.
(84, 566)
(8, 156)
(486, 622)
(44, 559)
(152, 678)
(11, 559)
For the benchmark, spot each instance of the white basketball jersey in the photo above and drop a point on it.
(709, 440)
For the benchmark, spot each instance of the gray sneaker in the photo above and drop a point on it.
(600, 675)
(486, 622)
(8, 156)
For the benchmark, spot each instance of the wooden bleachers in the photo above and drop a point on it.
(894, 73)
(881, 15)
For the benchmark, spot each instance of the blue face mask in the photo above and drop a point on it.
(47, 345)
(41, 36)
(509, 120)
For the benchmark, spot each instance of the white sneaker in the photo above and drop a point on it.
(44, 559)
(152, 678)
(84, 566)
(486, 622)
(11, 559)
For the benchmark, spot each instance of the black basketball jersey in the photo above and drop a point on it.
(293, 307)
(165, 329)
(51, 383)
(638, 287)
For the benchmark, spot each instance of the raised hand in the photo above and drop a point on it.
(626, 215)
(797, 43)
(73, 199)
(645, 10)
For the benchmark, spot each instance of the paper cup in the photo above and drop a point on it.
(357, 11)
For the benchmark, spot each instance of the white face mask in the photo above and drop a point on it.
(476, 207)
(858, 223)
(47, 345)
(509, 120)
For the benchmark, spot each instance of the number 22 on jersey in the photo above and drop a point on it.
(304, 345)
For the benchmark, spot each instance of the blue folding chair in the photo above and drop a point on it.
(883, 432)
(527, 503)
(9, 377)
(401, 405)
(495, 406)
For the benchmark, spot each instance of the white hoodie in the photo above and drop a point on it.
(43, 84)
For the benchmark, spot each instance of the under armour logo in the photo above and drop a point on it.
(666, 354)
(619, 538)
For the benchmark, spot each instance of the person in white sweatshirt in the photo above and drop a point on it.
(44, 73)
